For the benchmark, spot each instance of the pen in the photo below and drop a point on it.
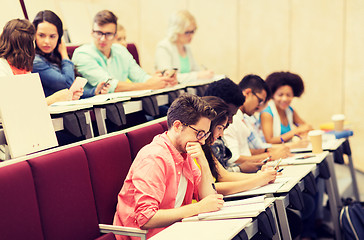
(213, 186)
(265, 160)
(282, 140)
(304, 157)
(279, 161)
(298, 136)
(280, 170)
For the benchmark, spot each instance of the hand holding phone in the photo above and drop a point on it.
(169, 72)
(105, 84)
(77, 84)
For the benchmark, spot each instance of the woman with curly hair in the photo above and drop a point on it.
(280, 123)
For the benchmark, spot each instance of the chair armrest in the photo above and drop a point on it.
(126, 231)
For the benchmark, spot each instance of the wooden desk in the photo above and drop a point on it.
(331, 183)
(203, 230)
(295, 173)
(56, 113)
(214, 229)
(132, 104)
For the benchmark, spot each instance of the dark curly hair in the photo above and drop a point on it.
(278, 79)
(227, 90)
(256, 84)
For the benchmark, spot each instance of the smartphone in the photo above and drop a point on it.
(78, 83)
(107, 81)
(169, 72)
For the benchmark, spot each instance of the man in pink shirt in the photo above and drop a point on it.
(164, 178)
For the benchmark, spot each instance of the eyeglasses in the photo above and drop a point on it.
(260, 100)
(200, 134)
(190, 32)
(99, 34)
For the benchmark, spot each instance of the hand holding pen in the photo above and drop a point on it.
(277, 164)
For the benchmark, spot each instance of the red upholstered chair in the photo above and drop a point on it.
(164, 125)
(65, 197)
(71, 49)
(19, 213)
(133, 51)
(138, 138)
(109, 161)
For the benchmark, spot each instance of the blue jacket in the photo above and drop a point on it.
(54, 78)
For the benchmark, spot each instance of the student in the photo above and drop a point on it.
(120, 36)
(236, 135)
(104, 60)
(164, 178)
(174, 51)
(229, 182)
(280, 123)
(51, 60)
(17, 53)
(228, 91)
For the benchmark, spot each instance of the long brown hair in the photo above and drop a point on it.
(17, 43)
(222, 110)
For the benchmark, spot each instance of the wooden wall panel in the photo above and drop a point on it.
(214, 44)
(10, 9)
(317, 56)
(154, 16)
(264, 36)
(354, 76)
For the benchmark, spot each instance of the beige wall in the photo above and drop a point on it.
(320, 40)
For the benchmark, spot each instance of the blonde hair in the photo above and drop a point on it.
(178, 24)
(119, 27)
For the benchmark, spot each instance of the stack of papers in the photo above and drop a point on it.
(249, 207)
(269, 188)
(103, 98)
(301, 158)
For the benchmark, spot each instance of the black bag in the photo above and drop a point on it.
(352, 220)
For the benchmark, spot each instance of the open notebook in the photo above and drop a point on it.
(249, 207)
(25, 117)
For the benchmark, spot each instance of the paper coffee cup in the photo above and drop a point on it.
(316, 140)
(338, 120)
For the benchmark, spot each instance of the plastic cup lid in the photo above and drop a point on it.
(338, 117)
(315, 133)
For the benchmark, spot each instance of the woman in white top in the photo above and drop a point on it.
(174, 50)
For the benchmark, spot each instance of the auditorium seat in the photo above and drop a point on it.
(138, 138)
(65, 197)
(71, 49)
(133, 51)
(109, 161)
(164, 125)
(19, 210)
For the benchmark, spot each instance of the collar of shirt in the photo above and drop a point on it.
(178, 157)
